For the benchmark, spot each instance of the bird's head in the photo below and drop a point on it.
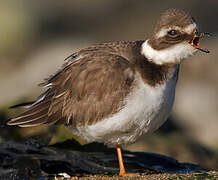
(175, 37)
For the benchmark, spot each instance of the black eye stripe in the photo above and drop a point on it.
(176, 38)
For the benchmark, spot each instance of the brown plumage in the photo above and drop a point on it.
(173, 17)
(91, 85)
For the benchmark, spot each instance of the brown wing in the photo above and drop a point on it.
(89, 87)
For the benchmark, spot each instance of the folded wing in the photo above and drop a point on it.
(89, 87)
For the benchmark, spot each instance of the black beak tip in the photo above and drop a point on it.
(207, 51)
(204, 50)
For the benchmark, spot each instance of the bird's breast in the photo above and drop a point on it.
(145, 109)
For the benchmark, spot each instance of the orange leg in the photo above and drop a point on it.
(122, 169)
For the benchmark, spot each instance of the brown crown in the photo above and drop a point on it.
(173, 17)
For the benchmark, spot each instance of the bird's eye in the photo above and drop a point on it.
(172, 32)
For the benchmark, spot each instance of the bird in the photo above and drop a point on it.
(115, 92)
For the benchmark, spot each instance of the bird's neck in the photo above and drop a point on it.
(152, 73)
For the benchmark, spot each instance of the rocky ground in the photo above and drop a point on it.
(30, 159)
(211, 175)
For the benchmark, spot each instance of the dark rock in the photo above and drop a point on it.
(29, 159)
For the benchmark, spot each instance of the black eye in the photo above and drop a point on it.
(172, 32)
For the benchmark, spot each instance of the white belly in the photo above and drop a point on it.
(145, 110)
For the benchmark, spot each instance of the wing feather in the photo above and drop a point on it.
(82, 92)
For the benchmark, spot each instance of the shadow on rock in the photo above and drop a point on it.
(19, 160)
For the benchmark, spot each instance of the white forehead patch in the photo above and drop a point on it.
(172, 54)
(188, 29)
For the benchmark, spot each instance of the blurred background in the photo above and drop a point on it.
(36, 37)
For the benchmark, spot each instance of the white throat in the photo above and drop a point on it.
(172, 54)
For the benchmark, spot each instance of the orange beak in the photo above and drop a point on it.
(195, 42)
